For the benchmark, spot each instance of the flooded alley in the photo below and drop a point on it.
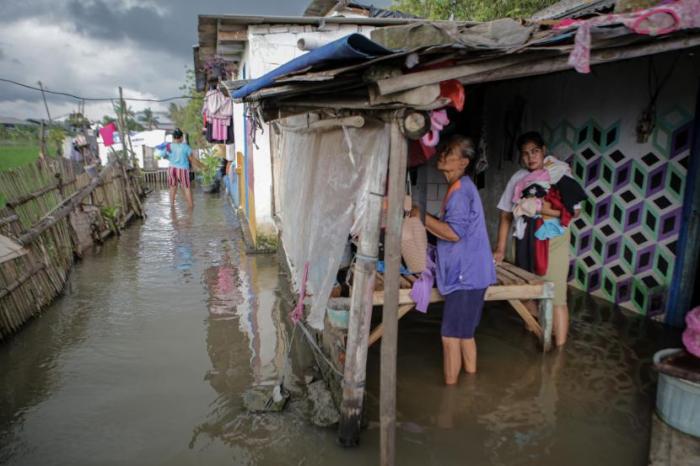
(144, 359)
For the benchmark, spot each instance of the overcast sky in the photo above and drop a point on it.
(90, 47)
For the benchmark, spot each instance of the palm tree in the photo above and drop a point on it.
(149, 119)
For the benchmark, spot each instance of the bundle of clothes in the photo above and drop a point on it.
(217, 116)
(552, 184)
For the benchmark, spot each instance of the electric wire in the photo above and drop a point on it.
(92, 99)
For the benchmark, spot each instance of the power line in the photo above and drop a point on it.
(93, 99)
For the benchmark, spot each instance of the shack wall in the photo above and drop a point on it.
(268, 47)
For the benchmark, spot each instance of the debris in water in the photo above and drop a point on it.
(265, 398)
(323, 410)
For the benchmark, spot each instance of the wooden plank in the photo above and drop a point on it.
(360, 316)
(554, 64)
(493, 293)
(232, 36)
(422, 78)
(392, 258)
(18, 201)
(379, 329)
(526, 276)
(505, 277)
(524, 313)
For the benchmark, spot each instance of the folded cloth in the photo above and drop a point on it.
(520, 227)
(529, 207)
(540, 177)
(423, 287)
(556, 169)
(570, 192)
(554, 199)
(551, 228)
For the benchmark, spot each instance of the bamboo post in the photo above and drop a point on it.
(42, 142)
(361, 303)
(392, 262)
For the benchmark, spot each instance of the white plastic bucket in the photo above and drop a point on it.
(678, 400)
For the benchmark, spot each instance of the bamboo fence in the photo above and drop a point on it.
(41, 200)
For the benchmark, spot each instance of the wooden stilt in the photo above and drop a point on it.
(392, 261)
(361, 313)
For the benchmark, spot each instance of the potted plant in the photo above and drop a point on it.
(207, 174)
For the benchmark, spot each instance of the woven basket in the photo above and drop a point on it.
(414, 239)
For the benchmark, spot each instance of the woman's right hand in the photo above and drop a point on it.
(498, 256)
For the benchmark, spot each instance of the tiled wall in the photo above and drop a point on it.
(624, 244)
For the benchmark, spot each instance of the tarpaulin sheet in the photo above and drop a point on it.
(350, 47)
(323, 187)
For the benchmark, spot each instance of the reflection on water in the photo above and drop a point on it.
(145, 357)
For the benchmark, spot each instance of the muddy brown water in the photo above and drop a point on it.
(144, 359)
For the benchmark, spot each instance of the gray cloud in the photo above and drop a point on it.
(89, 47)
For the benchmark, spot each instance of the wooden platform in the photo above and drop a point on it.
(514, 285)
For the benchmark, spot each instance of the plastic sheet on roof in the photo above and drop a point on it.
(350, 47)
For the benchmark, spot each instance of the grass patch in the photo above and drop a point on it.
(16, 156)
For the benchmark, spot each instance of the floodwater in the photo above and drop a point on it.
(144, 359)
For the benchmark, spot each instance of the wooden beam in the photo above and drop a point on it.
(524, 313)
(422, 78)
(521, 66)
(30, 196)
(354, 372)
(392, 260)
(379, 329)
(232, 36)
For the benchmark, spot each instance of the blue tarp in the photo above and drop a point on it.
(351, 47)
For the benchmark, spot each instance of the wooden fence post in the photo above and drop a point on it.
(392, 262)
(361, 303)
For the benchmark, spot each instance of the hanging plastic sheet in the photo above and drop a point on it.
(324, 185)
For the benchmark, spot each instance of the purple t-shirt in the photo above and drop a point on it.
(466, 264)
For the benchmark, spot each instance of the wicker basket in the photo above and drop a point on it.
(414, 240)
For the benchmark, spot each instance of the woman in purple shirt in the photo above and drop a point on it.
(465, 266)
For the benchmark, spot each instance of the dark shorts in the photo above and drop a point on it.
(461, 313)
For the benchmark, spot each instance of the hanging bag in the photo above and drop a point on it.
(414, 239)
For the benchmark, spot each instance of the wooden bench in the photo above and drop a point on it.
(514, 285)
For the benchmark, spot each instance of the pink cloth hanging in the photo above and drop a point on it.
(107, 134)
(668, 17)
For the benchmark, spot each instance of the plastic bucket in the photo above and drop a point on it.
(678, 400)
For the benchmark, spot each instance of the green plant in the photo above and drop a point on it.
(111, 214)
(210, 165)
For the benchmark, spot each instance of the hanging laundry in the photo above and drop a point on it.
(217, 115)
(107, 134)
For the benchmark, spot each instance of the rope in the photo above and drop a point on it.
(317, 350)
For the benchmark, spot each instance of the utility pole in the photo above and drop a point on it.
(43, 95)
